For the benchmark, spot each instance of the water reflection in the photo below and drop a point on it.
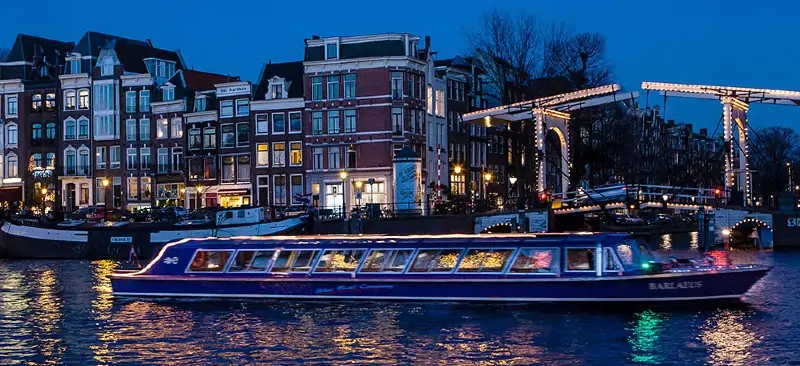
(666, 242)
(728, 340)
(645, 338)
(694, 240)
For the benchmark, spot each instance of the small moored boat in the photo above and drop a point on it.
(512, 268)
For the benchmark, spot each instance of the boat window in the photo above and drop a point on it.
(339, 260)
(303, 260)
(610, 262)
(532, 260)
(210, 260)
(435, 260)
(252, 261)
(625, 253)
(383, 260)
(580, 259)
(484, 260)
(294, 260)
(242, 260)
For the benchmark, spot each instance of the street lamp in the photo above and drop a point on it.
(665, 197)
(457, 169)
(44, 197)
(487, 177)
(359, 184)
(343, 177)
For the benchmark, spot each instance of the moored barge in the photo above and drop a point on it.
(503, 268)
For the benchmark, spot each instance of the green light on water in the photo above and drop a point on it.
(645, 265)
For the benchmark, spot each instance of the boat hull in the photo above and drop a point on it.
(25, 242)
(731, 285)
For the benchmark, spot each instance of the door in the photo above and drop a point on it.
(70, 197)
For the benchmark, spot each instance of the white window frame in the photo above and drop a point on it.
(111, 163)
(142, 165)
(346, 82)
(88, 99)
(275, 162)
(259, 186)
(9, 98)
(336, 45)
(291, 131)
(262, 118)
(223, 105)
(173, 132)
(246, 103)
(321, 155)
(12, 173)
(128, 123)
(272, 122)
(130, 107)
(67, 121)
(70, 93)
(168, 93)
(275, 191)
(330, 81)
(144, 136)
(101, 157)
(258, 164)
(165, 163)
(289, 155)
(132, 156)
(175, 157)
(290, 194)
(165, 126)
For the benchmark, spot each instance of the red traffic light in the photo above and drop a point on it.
(717, 191)
(542, 196)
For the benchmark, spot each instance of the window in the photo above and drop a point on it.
(280, 190)
(50, 131)
(397, 120)
(130, 101)
(350, 160)
(316, 123)
(387, 260)
(610, 262)
(435, 260)
(162, 128)
(242, 107)
(294, 260)
(339, 260)
(316, 88)
(50, 160)
(12, 135)
(252, 261)
(226, 108)
(278, 154)
(101, 157)
(11, 105)
(580, 259)
(104, 97)
(177, 159)
(317, 158)
(177, 128)
(83, 162)
(36, 131)
(147, 188)
(107, 67)
(350, 86)
(228, 169)
(168, 94)
(334, 161)
(161, 69)
(200, 104)
(228, 135)
(210, 260)
(37, 160)
(333, 122)
(418, 121)
(243, 134)
(69, 100)
(104, 126)
(430, 99)
(397, 85)
(133, 188)
(484, 260)
(333, 87)
(36, 103)
(163, 159)
(69, 130)
(243, 168)
(262, 155)
(209, 137)
(278, 124)
(295, 122)
(50, 101)
(83, 99)
(276, 92)
(133, 159)
(331, 51)
(296, 181)
(75, 68)
(262, 124)
(144, 129)
(439, 103)
(13, 167)
(130, 130)
(296, 158)
(114, 151)
(84, 195)
(100, 191)
(349, 121)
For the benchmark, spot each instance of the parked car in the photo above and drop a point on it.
(143, 214)
(171, 213)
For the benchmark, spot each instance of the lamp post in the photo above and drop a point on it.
(457, 172)
(44, 197)
(105, 193)
(200, 189)
(343, 177)
(359, 184)
(487, 177)
(511, 180)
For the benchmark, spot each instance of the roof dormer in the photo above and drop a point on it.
(278, 88)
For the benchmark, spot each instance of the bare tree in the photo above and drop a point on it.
(578, 57)
(3, 54)
(772, 149)
(509, 49)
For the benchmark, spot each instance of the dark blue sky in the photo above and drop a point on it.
(733, 42)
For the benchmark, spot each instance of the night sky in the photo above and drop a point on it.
(733, 42)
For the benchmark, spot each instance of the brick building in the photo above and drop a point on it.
(365, 100)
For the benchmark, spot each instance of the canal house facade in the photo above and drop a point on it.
(365, 100)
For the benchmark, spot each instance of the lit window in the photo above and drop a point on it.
(296, 153)
(177, 128)
(70, 100)
(162, 126)
(262, 155)
(278, 154)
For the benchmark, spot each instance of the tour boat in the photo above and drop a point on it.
(579, 267)
(123, 239)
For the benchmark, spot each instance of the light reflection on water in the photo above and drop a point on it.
(62, 313)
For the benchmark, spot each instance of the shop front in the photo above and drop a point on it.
(170, 194)
(238, 196)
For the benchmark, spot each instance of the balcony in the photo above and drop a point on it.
(78, 171)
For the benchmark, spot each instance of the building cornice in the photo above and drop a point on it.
(362, 39)
(169, 106)
(137, 80)
(277, 104)
(75, 80)
(11, 86)
(205, 116)
(364, 63)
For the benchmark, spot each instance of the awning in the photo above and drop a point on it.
(233, 192)
(10, 194)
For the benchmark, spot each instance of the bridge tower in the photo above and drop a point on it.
(551, 116)
(735, 105)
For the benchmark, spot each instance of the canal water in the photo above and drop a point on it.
(61, 312)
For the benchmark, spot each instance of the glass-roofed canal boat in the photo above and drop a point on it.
(580, 267)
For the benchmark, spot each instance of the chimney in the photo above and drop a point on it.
(428, 42)
(149, 43)
(704, 132)
(314, 37)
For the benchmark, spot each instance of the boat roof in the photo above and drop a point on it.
(449, 240)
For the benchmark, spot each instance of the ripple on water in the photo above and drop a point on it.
(61, 313)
